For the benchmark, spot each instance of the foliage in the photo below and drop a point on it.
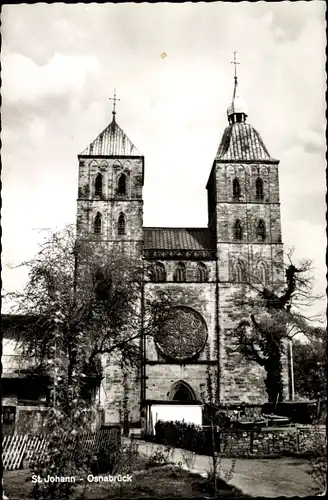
(85, 301)
(275, 317)
(310, 366)
(85, 298)
(113, 457)
(182, 435)
(318, 460)
(161, 456)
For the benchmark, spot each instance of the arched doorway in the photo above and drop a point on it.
(181, 391)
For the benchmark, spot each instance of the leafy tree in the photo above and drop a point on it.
(310, 366)
(275, 315)
(86, 301)
(85, 298)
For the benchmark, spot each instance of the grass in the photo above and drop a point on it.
(158, 481)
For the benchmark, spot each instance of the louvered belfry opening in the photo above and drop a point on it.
(99, 185)
(121, 187)
(236, 188)
(237, 230)
(259, 189)
(97, 224)
(260, 230)
(121, 225)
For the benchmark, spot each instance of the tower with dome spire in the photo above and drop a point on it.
(244, 214)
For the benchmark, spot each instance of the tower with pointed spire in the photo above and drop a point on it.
(111, 175)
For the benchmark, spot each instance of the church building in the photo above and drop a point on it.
(201, 268)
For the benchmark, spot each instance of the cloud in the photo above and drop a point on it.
(61, 62)
(312, 142)
(24, 80)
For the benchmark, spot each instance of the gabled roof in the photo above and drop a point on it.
(240, 142)
(176, 238)
(111, 142)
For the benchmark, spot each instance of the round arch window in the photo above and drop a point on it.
(183, 335)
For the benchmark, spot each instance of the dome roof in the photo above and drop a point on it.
(241, 142)
(238, 105)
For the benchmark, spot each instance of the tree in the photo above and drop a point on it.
(310, 366)
(275, 316)
(86, 301)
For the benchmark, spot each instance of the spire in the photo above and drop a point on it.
(237, 111)
(235, 77)
(114, 99)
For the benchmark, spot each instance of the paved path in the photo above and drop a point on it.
(256, 477)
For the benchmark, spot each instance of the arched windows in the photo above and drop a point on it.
(260, 230)
(236, 188)
(99, 185)
(263, 273)
(121, 225)
(180, 273)
(237, 230)
(158, 272)
(259, 189)
(201, 272)
(97, 224)
(240, 274)
(121, 185)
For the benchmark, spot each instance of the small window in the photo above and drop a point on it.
(121, 185)
(158, 272)
(263, 273)
(201, 273)
(240, 275)
(237, 230)
(97, 224)
(236, 188)
(121, 225)
(259, 189)
(260, 230)
(180, 273)
(99, 185)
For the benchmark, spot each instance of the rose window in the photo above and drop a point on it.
(183, 335)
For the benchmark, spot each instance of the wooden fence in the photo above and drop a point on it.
(19, 449)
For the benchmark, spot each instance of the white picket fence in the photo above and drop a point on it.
(20, 448)
(15, 448)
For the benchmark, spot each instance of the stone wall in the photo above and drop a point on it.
(272, 441)
(252, 443)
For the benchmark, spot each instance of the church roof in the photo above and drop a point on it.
(240, 142)
(111, 142)
(176, 238)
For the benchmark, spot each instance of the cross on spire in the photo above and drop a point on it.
(114, 103)
(235, 62)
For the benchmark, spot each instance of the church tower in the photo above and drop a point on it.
(244, 213)
(110, 209)
(111, 175)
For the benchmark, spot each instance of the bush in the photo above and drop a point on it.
(300, 412)
(190, 437)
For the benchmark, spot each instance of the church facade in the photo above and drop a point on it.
(201, 269)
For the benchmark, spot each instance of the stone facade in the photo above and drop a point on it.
(202, 269)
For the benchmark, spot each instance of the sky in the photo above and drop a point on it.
(171, 67)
